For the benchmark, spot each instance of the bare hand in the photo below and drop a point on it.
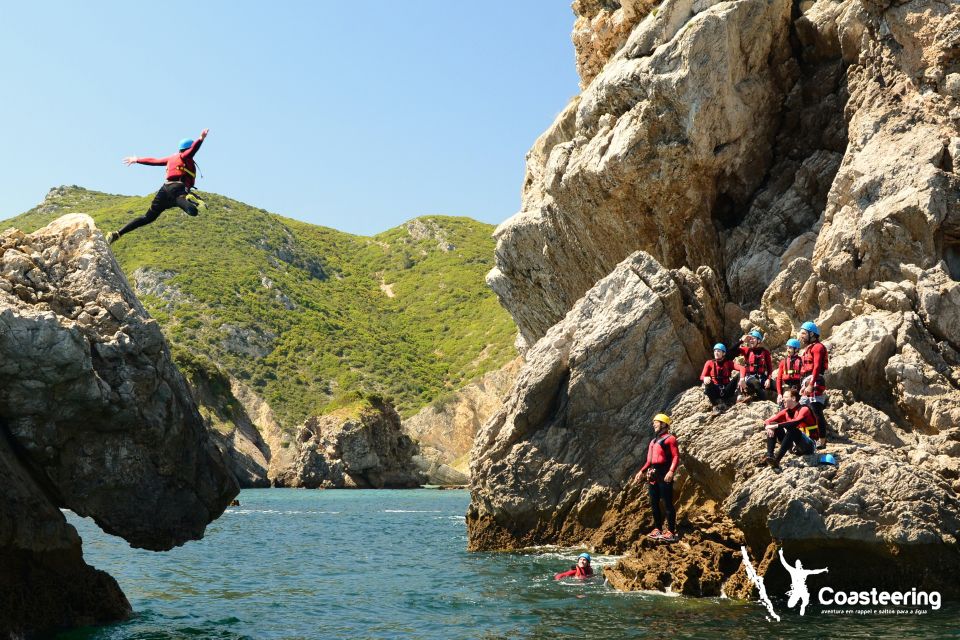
(203, 134)
(668, 477)
(766, 385)
(129, 160)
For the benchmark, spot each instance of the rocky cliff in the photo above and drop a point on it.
(772, 163)
(445, 430)
(360, 447)
(95, 418)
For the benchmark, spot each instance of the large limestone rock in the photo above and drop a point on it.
(94, 418)
(548, 466)
(682, 118)
(445, 432)
(360, 448)
(845, 211)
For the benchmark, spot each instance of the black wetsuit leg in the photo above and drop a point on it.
(713, 392)
(778, 435)
(653, 491)
(171, 194)
(817, 409)
(730, 391)
(666, 494)
(792, 436)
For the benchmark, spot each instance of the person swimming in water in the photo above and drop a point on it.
(581, 570)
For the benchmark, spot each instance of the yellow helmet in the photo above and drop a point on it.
(662, 417)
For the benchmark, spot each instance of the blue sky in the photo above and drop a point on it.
(356, 116)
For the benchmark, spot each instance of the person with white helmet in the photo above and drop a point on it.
(789, 372)
(719, 381)
(662, 460)
(756, 368)
(581, 570)
(813, 388)
(175, 192)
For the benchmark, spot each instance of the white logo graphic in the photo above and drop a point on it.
(798, 593)
(798, 584)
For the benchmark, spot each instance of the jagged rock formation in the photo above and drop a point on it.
(839, 202)
(94, 418)
(357, 448)
(445, 432)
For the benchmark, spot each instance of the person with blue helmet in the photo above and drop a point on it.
(813, 388)
(180, 178)
(581, 570)
(756, 369)
(719, 381)
(789, 372)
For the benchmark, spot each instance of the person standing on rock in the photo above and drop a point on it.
(792, 426)
(789, 374)
(756, 369)
(813, 388)
(175, 192)
(662, 460)
(581, 570)
(719, 384)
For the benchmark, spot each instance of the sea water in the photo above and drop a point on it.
(298, 564)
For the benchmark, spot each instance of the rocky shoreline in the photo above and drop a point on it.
(772, 164)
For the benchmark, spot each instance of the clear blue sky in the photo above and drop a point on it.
(356, 116)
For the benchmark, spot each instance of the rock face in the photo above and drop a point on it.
(445, 433)
(94, 418)
(363, 449)
(843, 207)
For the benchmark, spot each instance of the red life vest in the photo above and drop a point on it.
(719, 371)
(659, 453)
(792, 368)
(814, 356)
(756, 362)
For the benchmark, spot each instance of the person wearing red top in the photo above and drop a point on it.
(719, 384)
(662, 460)
(756, 368)
(790, 426)
(813, 388)
(175, 192)
(789, 372)
(581, 570)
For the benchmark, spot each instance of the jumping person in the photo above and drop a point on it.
(756, 369)
(581, 570)
(798, 591)
(789, 373)
(662, 460)
(813, 388)
(792, 426)
(716, 375)
(175, 192)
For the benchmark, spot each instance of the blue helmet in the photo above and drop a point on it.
(793, 342)
(827, 458)
(719, 347)
(587, 555)
(186, 143)
(812, 328)
(756, 334)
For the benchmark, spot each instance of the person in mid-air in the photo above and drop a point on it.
(175, 192)
(580, 570)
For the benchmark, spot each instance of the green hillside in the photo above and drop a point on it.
(304, 314)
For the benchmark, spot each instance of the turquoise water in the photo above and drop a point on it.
(298, 564)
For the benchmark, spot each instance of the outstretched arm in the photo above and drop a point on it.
(824, 570)
(784, 562)
(157, 162)
(196, 144)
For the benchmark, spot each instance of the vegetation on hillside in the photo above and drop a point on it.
(304, 314)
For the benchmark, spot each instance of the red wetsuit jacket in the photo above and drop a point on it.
(719, 371)
(790, 371)
(180, 166)
(576, 572)
(814, 364)
(756, 361)
(657, 457)
(800, 416)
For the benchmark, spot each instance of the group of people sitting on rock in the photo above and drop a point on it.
(747, 373)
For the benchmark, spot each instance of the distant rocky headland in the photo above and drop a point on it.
(730, 165)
